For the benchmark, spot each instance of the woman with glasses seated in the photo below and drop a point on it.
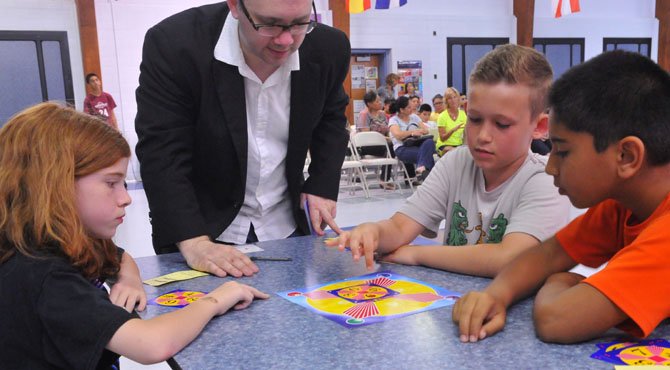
(231, 96)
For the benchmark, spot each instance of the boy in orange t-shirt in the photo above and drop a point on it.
(609, 125)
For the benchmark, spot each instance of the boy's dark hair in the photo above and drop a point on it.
(437, 96)
(425, 108)
(369, 97)
(389, 100)
(614, 95)
(515, 64)
(89, 76)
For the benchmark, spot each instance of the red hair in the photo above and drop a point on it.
(43, 149)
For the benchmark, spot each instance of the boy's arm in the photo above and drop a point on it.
(128, 290)
(383, 236)
(481, 259)
(112, 119)
(568, 311)
(481, 314)
(157, 339)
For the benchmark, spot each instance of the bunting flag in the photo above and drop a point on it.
(388, 4)
(359, 6)
(564, 7)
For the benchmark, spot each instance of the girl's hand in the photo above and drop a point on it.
(235, 295)
(128, 293)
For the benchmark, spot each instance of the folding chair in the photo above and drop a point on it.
(370, 139)
(352, 170)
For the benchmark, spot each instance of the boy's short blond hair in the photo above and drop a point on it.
(515, 64)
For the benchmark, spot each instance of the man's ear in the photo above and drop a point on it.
(630, 156)
(234, 10)
(542, 126)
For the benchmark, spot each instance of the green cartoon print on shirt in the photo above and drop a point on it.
(459, 224)
(497, 229)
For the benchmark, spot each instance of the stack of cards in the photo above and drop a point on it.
(644, 352)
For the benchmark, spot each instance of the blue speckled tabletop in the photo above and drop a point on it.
(278, 334)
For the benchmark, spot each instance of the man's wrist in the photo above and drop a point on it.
(189, 243)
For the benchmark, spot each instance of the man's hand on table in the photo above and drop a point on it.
(221, 260)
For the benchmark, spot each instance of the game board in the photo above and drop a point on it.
(177, 298)
(644, 352)
(371, 298)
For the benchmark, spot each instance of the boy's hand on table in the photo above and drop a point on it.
(478, 315)
(362, 240)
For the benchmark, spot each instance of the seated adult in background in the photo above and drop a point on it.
(438, 107)
(388, 90)
(451, 123)
(405, 124)
(231, 95)
(372, 118)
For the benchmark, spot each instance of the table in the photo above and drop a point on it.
(278, 334)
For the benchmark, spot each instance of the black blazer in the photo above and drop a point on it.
(192, 126)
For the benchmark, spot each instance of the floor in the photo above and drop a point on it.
(135, 233)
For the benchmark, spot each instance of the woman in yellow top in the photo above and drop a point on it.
(451, 123)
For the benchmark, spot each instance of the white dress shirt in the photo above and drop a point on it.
(267, 204)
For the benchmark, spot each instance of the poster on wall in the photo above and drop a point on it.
(357, 76)
(371, 73)
(410, 71)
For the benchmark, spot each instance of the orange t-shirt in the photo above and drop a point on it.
(637, 276)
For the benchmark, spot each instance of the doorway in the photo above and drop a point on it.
(368, 68)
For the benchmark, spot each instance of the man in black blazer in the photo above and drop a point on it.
(199, 134)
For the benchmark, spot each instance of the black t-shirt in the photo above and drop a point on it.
(52, 317)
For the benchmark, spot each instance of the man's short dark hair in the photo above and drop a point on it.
(614, 95)
(89, 76)
(437, 96)
(425, 108)
(369, 97)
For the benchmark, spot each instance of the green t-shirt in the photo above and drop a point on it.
(445, 121)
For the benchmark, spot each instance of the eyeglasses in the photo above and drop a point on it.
(274, 30)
